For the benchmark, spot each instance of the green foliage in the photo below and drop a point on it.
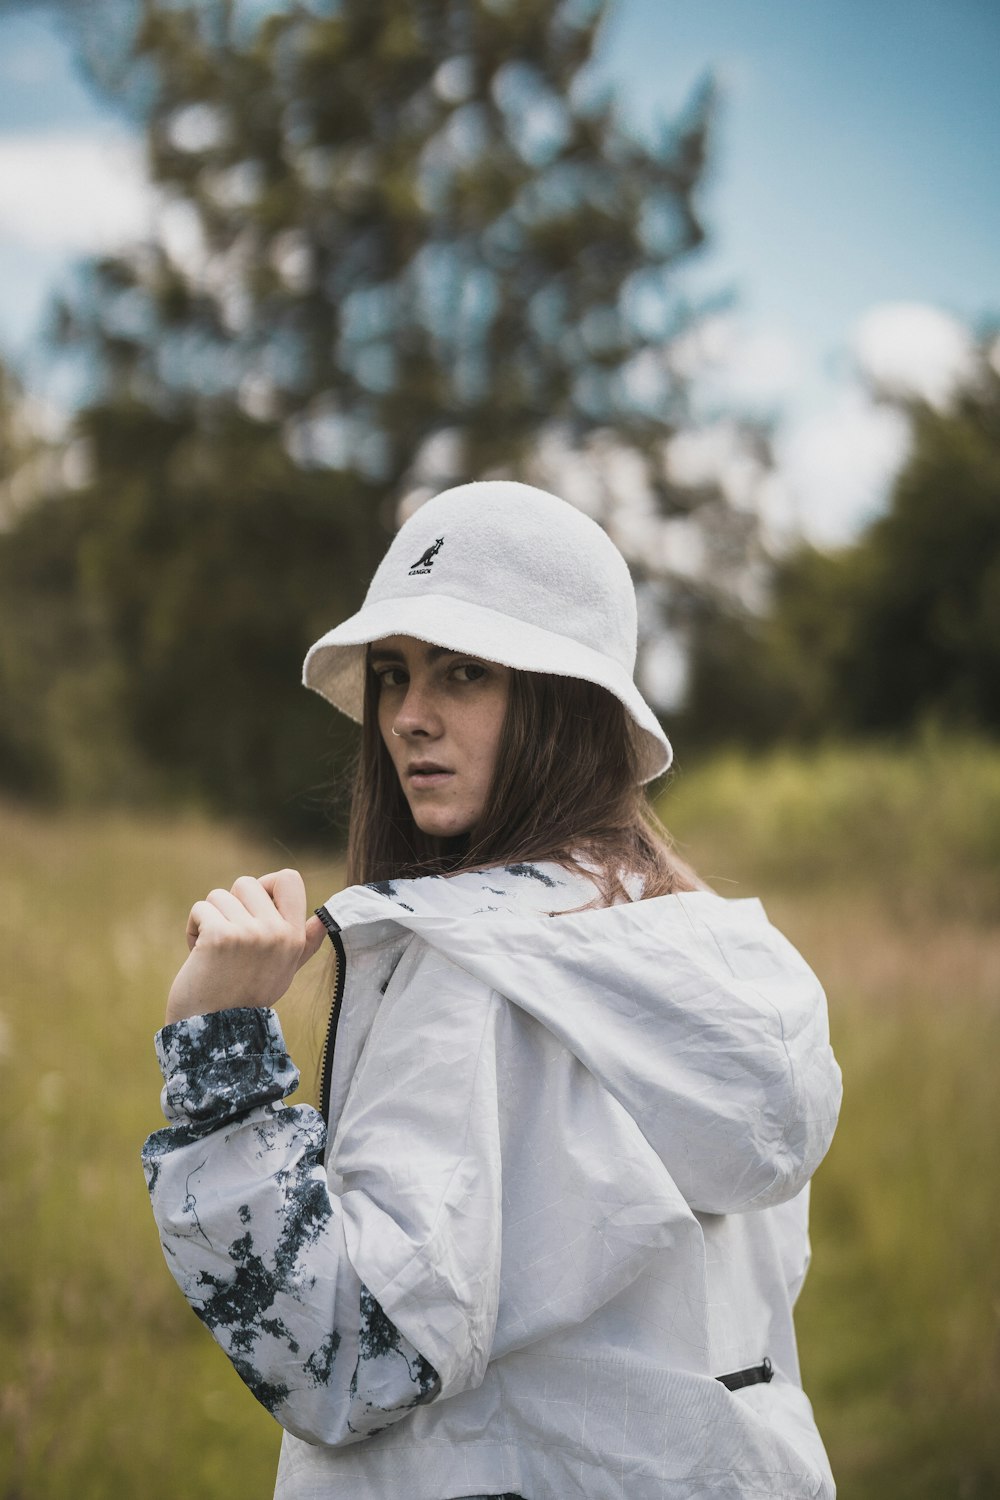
(400, 217)
(150, 648)
(404, 245)
(900, 629)
(217, 569)
(883, 867)
(107, 1385)
(915, 828)
(925, 637)
(10, 401)
(58, 732)
(110, 1385)
(59, 735)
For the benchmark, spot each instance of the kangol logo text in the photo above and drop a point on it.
(425, 561)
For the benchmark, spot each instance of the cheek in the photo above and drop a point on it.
(383, 719)
(392, 743)
(491, 734)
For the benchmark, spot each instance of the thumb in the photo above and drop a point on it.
(315, 933)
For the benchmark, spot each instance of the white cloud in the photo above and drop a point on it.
(837, 452)
(913, 349)
(838, 463)
(762, 368)
(838, 458)
(733, 364)
(72, 192)
(837, 449)
(720, 453)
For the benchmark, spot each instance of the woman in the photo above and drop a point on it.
(545, 1234)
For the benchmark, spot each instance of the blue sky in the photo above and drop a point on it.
(852, 204)
(858, 152)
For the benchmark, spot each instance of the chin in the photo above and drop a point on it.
(442, 827)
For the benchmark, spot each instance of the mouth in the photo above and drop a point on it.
(424, 774)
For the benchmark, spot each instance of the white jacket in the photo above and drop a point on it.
(565, 1191)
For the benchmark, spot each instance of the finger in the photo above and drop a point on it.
(287, 890)
(231, 908)
(315, 933)
(202, 917)
(254, 897)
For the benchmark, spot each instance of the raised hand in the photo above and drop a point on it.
(246, 945)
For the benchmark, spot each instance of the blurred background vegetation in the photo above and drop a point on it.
(413, 244)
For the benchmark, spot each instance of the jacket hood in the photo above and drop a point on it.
(691, 1010)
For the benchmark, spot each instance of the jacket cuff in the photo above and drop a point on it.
(220, 1065)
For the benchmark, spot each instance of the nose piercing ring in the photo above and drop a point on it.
(396, 733)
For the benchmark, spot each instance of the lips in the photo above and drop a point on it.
(426, 773)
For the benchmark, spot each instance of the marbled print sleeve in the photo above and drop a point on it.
(255, 1239)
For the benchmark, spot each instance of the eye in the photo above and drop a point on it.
(390, 677)
(469, 671)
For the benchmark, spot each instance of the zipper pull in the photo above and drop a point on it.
(754, 1375)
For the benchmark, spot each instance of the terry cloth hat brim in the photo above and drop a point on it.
(335, 665)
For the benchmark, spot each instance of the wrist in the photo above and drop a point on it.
(186, 1008)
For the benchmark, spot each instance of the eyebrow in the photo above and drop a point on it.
(431, 654)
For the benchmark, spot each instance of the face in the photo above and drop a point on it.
(447, 710)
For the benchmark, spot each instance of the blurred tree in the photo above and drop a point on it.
(387, 219)
(14, 443)
(401, 244)
(924, 637)
(59, 733)
(901, 628)
(19, 448)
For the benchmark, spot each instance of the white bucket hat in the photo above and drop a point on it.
(509, 573)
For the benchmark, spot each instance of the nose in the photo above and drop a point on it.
(417, 715)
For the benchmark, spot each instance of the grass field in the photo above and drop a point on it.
(884, 869)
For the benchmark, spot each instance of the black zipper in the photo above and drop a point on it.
(754, 1375)
(330, 1040)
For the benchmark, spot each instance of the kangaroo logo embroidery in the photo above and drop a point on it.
(425, 561)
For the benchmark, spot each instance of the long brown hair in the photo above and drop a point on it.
(565, 788)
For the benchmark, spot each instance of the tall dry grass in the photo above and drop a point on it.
(108, 1385)
(883, 868)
